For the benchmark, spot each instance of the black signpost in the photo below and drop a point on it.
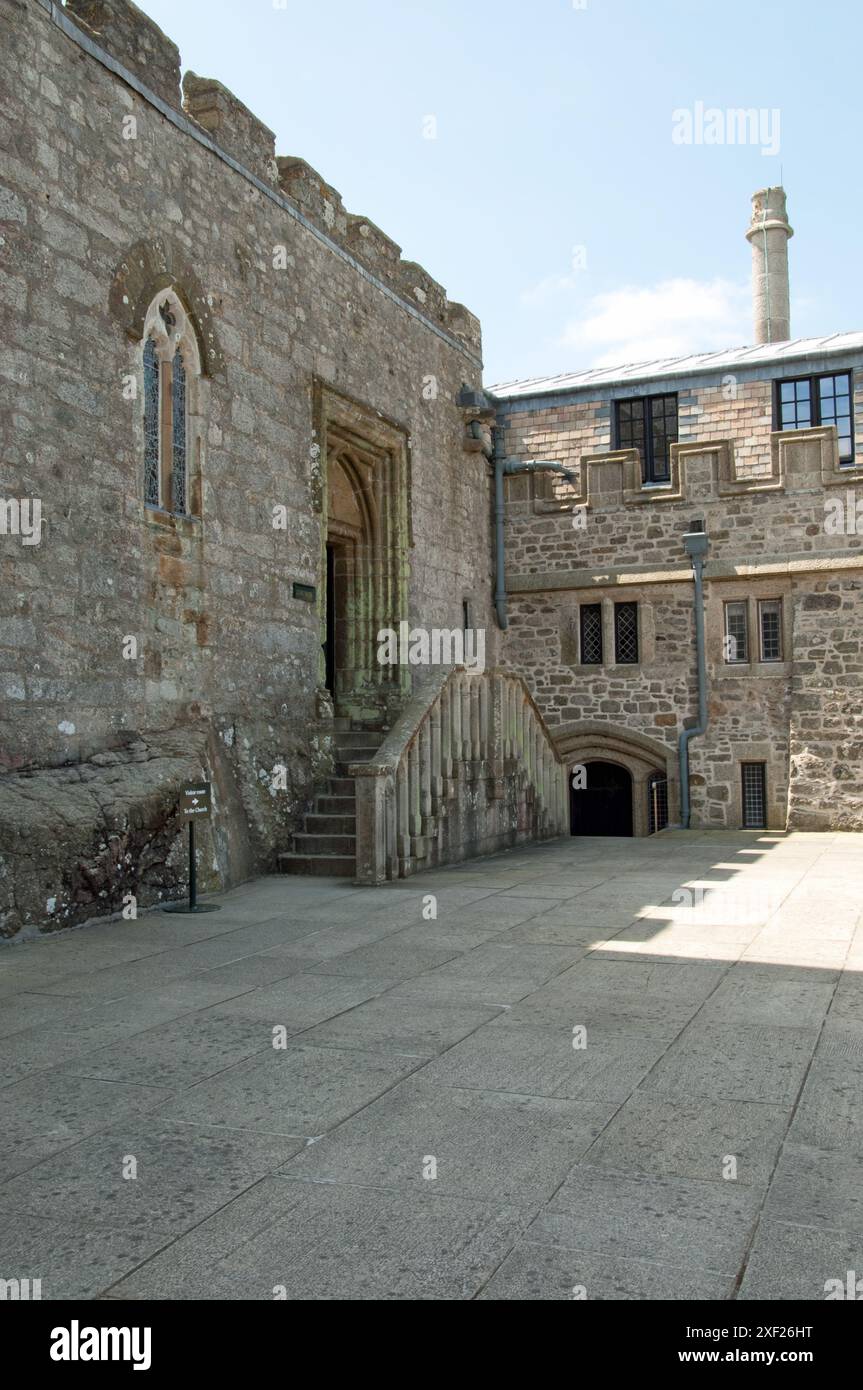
(196, 802)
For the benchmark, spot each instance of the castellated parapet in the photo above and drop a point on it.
(127, 35)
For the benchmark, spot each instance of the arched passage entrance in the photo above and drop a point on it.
(603, 806)
(648, 762)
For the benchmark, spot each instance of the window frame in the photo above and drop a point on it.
(812, 379)
(743, 768)
(583, 608)
(770, 660)
(649, 474)
(168, 326)
(744, 604)
(634, 605)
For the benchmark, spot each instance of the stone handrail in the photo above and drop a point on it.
(469, 768)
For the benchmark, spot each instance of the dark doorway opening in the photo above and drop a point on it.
(330, 641)
(604, 806)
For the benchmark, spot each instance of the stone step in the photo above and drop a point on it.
(342, 787)
(327, 805)
(318, 823)
(316, 865)
(304, 843)
(357, 738)
(343, 763)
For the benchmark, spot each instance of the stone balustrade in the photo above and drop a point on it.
(469, 768)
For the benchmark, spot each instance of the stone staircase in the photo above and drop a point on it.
(328, 842)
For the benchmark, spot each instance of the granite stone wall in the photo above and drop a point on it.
(781, 516)
(117, 186)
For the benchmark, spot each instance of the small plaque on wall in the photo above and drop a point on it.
(307, 593)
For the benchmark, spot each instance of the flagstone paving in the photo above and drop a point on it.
(612, 1069)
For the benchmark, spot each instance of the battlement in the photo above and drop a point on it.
(231, 125)
(128, 36)
(134, 40)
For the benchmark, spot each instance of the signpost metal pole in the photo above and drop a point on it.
(193, 878)
(195, 802)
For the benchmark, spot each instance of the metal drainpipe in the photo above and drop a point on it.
(505, 467)
(499, 513)
(695, 543)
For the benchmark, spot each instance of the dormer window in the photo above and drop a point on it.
(805, 402)
(649, 424)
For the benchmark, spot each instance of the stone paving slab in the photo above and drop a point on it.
(692, 1138)
(674, 1221)
(735, 1061)
(295, 1090)
(795, 1261)
(513, 1148)
(182, 1174)
(539, 1272)
(705, 1143)
(333, 1242)
(398, 1025)
(535, 1061)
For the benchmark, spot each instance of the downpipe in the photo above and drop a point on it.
(503, 468)
(696, 544)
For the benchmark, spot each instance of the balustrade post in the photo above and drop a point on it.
(475, 726)
(371, 866)
(466, 750)
(436, 756)
(403, 832)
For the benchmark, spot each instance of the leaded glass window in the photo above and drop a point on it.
(591, 634)
(151, 424)
(172, 407)
(178, 434)
(626, 634)
(736, 632)
(770, 622)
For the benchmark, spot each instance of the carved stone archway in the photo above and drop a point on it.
(366, 538)
(587, 741)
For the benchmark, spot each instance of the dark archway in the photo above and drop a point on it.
(604, 805)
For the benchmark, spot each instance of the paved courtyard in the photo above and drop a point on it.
(617, 1069)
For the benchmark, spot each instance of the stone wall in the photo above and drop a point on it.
(111, 193)
(766, 499)
(826, 737)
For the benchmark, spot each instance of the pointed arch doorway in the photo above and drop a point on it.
(366, 539)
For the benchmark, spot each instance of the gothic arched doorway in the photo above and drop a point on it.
(604, 805)
(365, 543)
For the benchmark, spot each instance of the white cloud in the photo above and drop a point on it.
(670, 319)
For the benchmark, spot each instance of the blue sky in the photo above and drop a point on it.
(553, 200)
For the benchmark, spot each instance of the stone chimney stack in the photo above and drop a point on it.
(769, 233)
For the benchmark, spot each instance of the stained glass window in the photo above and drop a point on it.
(178, 434)
(151, 424)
